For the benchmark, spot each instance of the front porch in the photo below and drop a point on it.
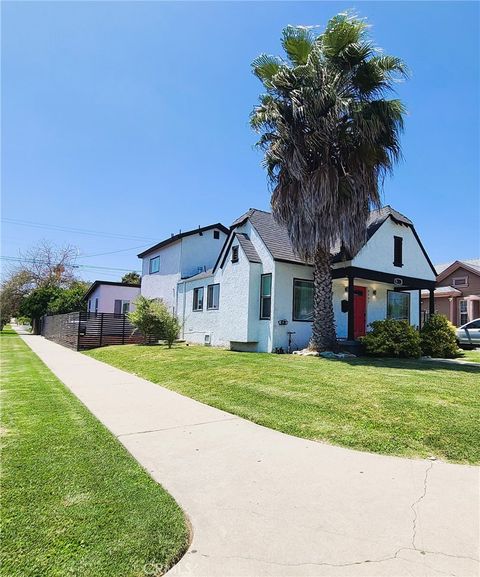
(366, 297)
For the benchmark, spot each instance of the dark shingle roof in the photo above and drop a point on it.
(247, 247)
(275, 236)
(181, 235)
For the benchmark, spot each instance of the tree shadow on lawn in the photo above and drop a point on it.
(408, 364)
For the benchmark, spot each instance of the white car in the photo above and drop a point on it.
(468, 335)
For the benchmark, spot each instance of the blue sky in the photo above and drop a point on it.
(131, 119)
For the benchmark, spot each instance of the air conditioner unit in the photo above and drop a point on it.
(207, 339)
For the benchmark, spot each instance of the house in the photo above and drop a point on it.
(257, 294)
(181, 256)
(111, 297)
(457, 295)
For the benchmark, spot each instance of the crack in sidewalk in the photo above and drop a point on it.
(175, 427)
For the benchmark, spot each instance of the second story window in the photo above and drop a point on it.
(198, 299)
(216, 234)
(265, 296)
(397, 251)
(154, 265)
(235, 253)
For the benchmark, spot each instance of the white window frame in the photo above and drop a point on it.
(460, 312)
(461, 281)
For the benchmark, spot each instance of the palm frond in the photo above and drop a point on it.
(297, 41)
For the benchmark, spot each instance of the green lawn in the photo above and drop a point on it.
(399, 407)
(73, 501)
(471, 356)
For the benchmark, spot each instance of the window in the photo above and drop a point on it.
(121, 307)
(154, 265)
(302, 300)
(460, 281)
(89, 305)
(463, 312)
(216, 234)
(397, 251)
(265, 296)
(96, 306)
(234, 253)
(398, 306)
(473, 325)
(198, 299)
(213, 296)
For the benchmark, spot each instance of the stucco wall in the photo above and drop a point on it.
(107, 294)
(200, 252)
(377, 254)
(184, 258)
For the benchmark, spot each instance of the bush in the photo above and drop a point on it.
(438, 338)
(152, 318)
(23, 321)
(147, 318)
(171, 328)
(392, 338)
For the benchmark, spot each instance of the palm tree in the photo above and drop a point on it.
(329, 137)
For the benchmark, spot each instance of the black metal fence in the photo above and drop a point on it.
(80, 331)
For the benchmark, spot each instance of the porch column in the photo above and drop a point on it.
(351, 309)
(431, 302)
(451, 310)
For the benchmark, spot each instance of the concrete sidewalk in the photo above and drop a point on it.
(264, 503)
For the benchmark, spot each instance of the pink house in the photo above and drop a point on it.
(457, 295)
(111, 297)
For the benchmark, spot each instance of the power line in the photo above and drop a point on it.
(111, 252)
(61, 228)
(82, 266)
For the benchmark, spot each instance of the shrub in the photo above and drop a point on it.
(152, 318)
(147, 318)
(438, 337)
(171, 328)
(392, 338)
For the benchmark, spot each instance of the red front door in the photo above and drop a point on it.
(360, 311)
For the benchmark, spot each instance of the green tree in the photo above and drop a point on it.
(329, 137)
(131, 278)
(70, 299)
(12, 292)
(37, 303)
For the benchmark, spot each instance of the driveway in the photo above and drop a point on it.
(264, 503)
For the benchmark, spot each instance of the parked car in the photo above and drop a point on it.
(468, 335)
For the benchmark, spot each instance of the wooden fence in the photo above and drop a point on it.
(82, 330)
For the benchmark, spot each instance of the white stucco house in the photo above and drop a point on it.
(111, 297)
(250, 292)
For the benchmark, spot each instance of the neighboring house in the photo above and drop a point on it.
(257, 294)
(457, 295)
(180, 256)
(111, 297)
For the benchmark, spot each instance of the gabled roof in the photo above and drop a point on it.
(98, 283)
(181, 235)
(277, 241)
(472, 265)
(247, 247)
(473, 262)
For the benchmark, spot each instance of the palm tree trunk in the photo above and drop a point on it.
(323, 328)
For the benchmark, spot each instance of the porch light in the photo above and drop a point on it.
(374, 293)
(346, 288)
